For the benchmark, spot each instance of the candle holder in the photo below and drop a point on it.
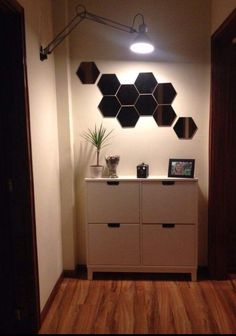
(112, 163)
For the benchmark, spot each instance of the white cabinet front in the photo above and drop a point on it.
(113, 244)
(113, 201)
(169, 245)
(140, 225)
(169, 202)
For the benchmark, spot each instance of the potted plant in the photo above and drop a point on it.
(98, 137)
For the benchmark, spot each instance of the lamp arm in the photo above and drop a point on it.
(60, 36)
(79, 17)
(110, 23)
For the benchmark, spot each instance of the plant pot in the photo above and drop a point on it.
(96, 171)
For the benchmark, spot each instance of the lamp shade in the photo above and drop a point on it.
(142, 43)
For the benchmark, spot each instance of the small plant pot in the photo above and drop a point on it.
(96, 171)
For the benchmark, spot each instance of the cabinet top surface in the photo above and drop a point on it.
(134, 178)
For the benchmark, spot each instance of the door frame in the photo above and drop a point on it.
(219, 151)
(32, 324)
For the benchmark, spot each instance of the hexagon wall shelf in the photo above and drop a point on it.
(145, 82)
(128, 116)
(127, 94)
(129, 102)
(88, 72)
(109, 106)
(185, 128)
(108, 84)
(164, 93)
(164, 115)
(146, 105)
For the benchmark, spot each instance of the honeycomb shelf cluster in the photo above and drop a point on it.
(128, 102)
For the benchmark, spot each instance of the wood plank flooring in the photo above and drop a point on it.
(142, 306)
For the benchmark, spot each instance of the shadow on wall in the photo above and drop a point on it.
(83, 158)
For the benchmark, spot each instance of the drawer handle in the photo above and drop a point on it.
(170, 226)
(113, 182)
(113, 225)
(168, 182)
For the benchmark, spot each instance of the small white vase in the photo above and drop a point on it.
(96, 171)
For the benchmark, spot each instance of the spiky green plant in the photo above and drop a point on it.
(98, 137)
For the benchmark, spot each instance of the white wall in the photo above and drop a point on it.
(43, 120)
(65, 133)
(181, 31)
(220, 10)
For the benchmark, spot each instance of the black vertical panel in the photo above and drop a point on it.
(19, 278)
(222, 173)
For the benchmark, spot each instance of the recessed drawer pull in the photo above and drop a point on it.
(113, 183)
(170, 226)
(168, 183)
(113, 225)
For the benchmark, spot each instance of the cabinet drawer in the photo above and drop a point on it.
(113, 245)
(170, 245)
(109, 203)
(169, 203)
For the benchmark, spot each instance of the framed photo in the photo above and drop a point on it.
(181, 168)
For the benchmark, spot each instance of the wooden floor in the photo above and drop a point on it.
(142, 305)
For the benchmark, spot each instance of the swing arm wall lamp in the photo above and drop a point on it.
(141, 41)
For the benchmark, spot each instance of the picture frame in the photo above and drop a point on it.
(181, 168)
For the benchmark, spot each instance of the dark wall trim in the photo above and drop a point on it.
(26, 269)
(226, 31)
(51, 298)
(220, 154)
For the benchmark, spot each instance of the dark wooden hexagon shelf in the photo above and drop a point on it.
(164, 115)
(185, 128)
(109, 106)
(127, 94)
(145, 82)
(164, 93)
(128, 116)
(108, 84)
(146, 105)
(88, 72)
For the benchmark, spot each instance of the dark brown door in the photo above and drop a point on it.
(18, 259)
(222, 178)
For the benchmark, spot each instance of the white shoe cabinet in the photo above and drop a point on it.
(142, 225)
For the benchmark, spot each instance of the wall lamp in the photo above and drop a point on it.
(141, 43)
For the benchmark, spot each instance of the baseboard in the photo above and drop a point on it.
(65, 274)
(203, 271)
(48, 304)
(70, 273)
(81, 268)
(79, 272)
